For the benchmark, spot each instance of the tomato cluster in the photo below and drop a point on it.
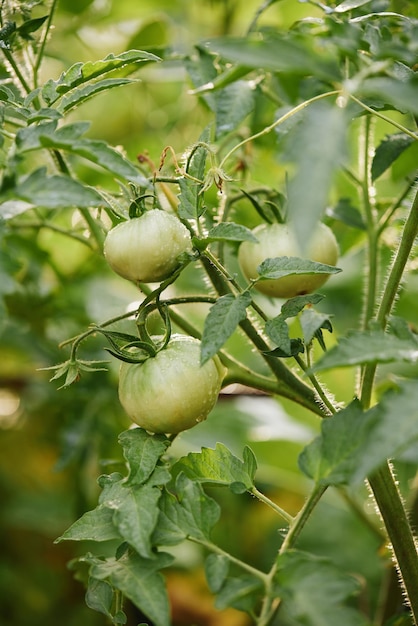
(171, 391)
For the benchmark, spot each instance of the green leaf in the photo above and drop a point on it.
(388, 151)
(139, 580)
(241, 593)
(354, 443)
(190, 200)
(54, 192)
(135, 511)
(401, 94)
(220, 466)
(228, 231)
(317, 146)
(189, 512)
(216, 570)
(334, 457)
(99, 596)
(349, 5)
(370, 346)
(294, 306)
(11, 208)
(286, 266)
(85, 92)
(30, 26)
(278, 331)
(95, 525)
(277, 53)
(346, 213)
(99, 153)
(142, 452)
(312, 324)
(221, 322)
(233, 104)
(81, 73)
(315, 592)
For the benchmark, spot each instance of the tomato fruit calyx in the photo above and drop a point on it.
(171, 391)
(278, 240)
(148, 248)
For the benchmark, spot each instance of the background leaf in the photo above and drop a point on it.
(315, 592)
(372, 346)
(353, 443)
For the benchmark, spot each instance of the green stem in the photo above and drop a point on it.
(317, 386)
(302, 517)
(260, 496)
(217, 550)
(369, 209)
(383, 117)
(392, 510)
(270, 605)
(393, 281)
(41, 50)
(18, 73)
(382, 482)
(281, 119)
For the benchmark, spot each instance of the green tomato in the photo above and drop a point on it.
(146, 248)
(171, 392)
(277, 240)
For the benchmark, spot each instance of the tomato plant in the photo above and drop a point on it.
(291, 353)
(277, 240)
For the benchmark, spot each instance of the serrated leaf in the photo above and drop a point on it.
(142, 452)
(80, 94)
(216, 570)
(354, 443)
(55, 192)
(81, 73)
(278, 331)
(278, 267)
(189, 512)
(388, 151)
(294, 306)
(221, 322)
(315, 592)
(135, 512)
(317, 147)
(95, 525)
(190, 200)
(233, 104)
(372, 346)
(98, 152)
(312, 322)
(99, 596)
(220, 466)
(139, 580)
(228, 231)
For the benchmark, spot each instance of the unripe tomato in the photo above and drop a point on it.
(277, 240)
(146, 248)
(171, 392)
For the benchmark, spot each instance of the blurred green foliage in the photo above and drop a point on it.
(54, 444)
